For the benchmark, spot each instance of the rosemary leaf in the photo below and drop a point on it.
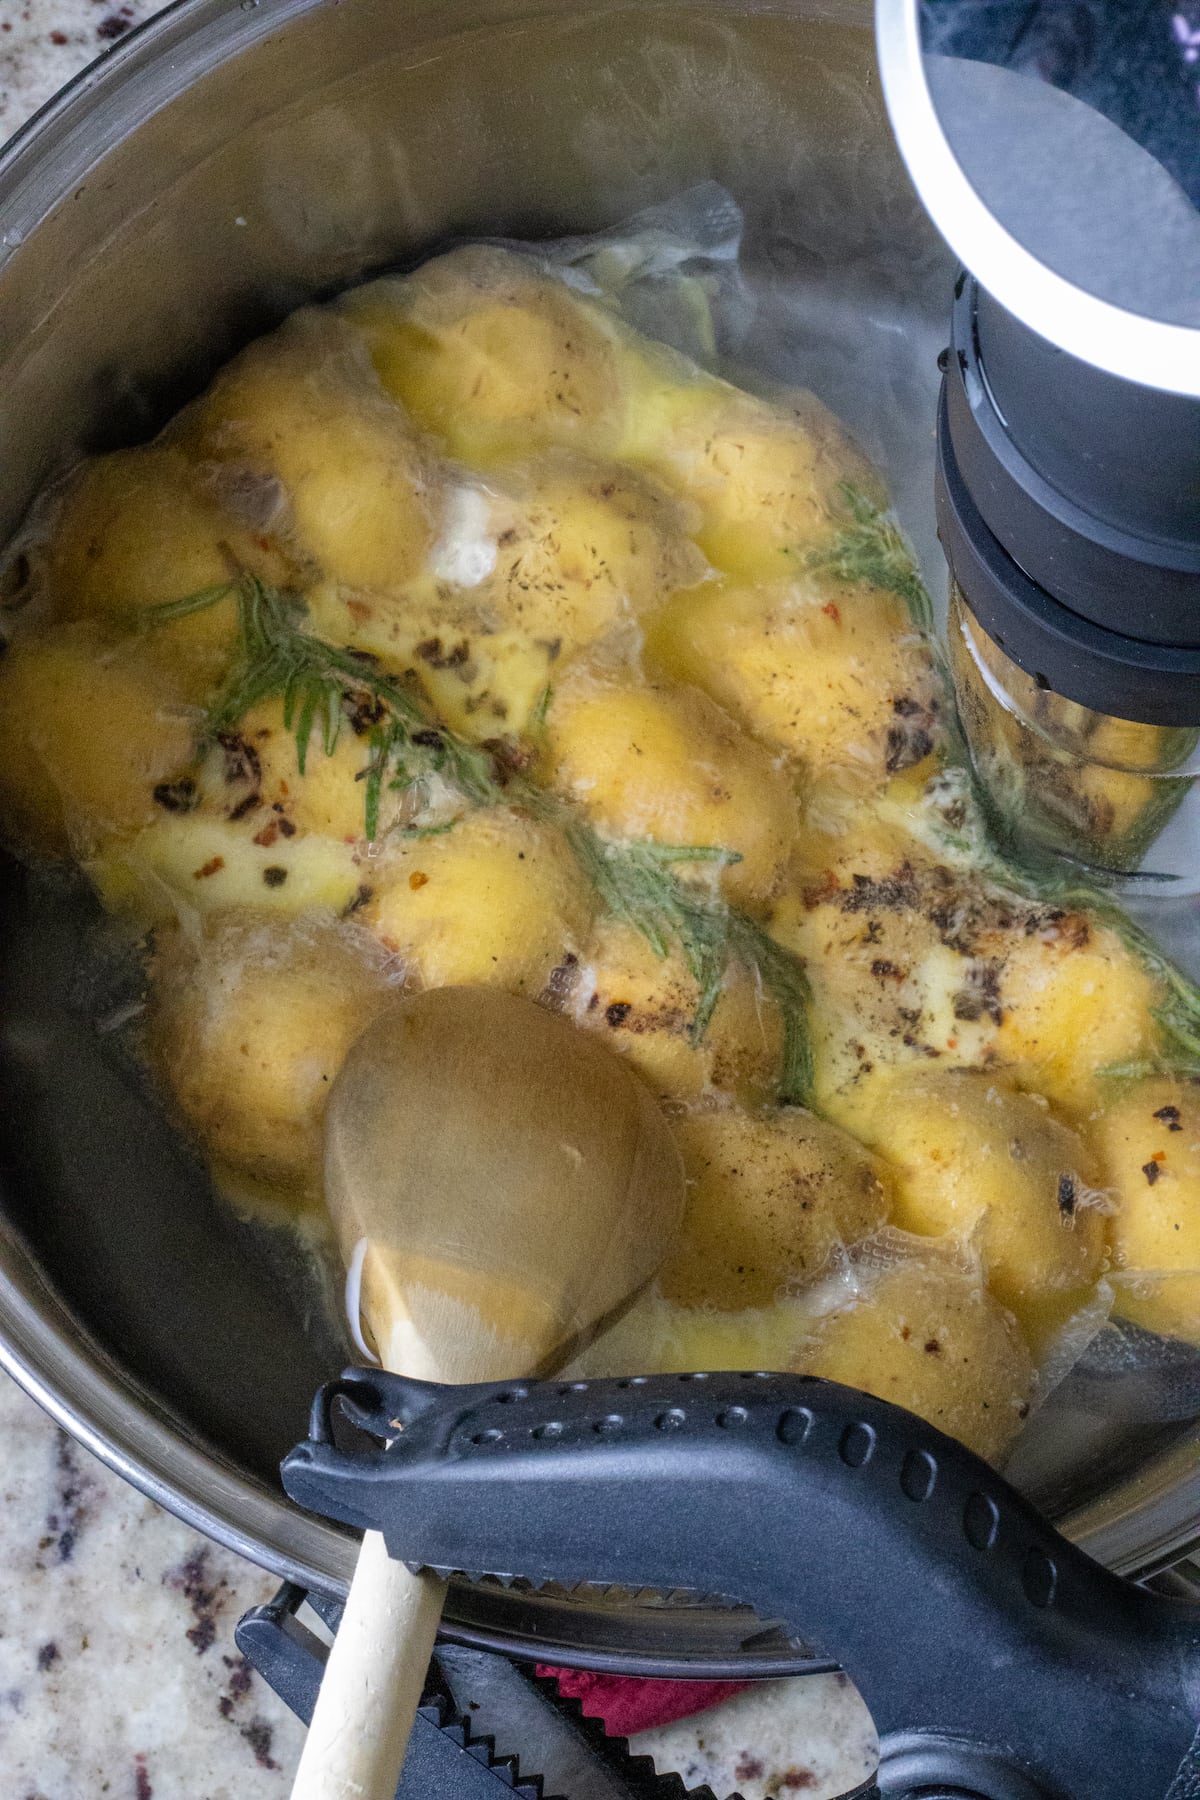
(872, 549)
(200, 601)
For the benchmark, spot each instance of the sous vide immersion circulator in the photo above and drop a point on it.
(1057, 149)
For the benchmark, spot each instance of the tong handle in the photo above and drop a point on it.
(990, 1651)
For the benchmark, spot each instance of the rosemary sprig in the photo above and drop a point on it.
(871, 548)
(327, 686)
(636, 883)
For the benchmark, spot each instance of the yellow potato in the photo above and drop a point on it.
(1075, 1000)
(770, 1197)
(834, 676)
(494, 356)
(248, 1027)
(1147, 1135)
(89, 729)
(498, 900)
(985, 1164)
(482, 682)
(304, 408)
(140, 528)
(899, 958)
(666, 764)
(645, 1005)
(924, 1335)
(198, 862)
(769, 478)
(255, 775)
(584, 547)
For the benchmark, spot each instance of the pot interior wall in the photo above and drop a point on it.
(227, 165)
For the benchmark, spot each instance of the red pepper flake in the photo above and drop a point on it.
(832, 611)
(267, 836)
(952, 1043)
(417, 879)
(212, 867)
(358, 609)
(59, 37)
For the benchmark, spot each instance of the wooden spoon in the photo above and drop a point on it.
(504, 1182)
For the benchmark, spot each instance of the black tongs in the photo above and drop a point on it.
(998, 1661)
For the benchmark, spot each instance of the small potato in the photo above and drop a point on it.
(583, 547)
(482, 682)
(498, 900)
(1075, 1000)
(983, 1163)
(924, 1335)
(303, 407)
(645, 1005)
(769, 479)
(255, 775)
(140, 528)
(89, 729)
(836, 677)
(889, 939)
(494, 356)
(1147, 1135)
(770, 1197)
(248, 1027)
(198, 863)
(666, 764)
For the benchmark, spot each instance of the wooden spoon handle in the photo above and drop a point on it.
(372, 1682)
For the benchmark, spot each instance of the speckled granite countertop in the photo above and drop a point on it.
(118, 1671)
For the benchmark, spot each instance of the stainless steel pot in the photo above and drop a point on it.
(230, 160)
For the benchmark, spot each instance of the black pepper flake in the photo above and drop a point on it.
(365, 713)
(431, 650)
(360, 899)
(1151, 1171)
(1169, 1116)
(882, 969)
(617, 1013)
(906, 746)
(932, 1347)
(47, 1656)
(286, 828)
(176, 796)
(242, 761)
(274, 876)
(1067, 1196)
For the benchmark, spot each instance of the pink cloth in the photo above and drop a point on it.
(624, 1705)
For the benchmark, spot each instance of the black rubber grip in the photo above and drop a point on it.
(988, 1649)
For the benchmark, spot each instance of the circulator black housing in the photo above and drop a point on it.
(1068, 504)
